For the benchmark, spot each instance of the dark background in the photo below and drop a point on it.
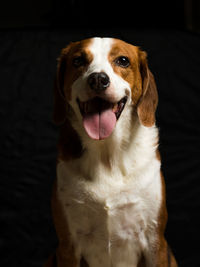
(32, 34)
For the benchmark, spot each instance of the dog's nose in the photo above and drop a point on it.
(98, 81)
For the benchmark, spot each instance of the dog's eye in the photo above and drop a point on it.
(122, 61)
(79, 61)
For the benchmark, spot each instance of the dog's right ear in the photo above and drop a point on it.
(148, 103)
(60, 103)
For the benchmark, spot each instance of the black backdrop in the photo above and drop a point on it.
(28, 137)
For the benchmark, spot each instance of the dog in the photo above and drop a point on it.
(109, 205)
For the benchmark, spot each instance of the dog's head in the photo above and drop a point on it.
(99, 78)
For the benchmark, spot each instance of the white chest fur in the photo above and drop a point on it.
(112, 212)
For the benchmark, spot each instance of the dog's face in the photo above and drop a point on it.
(100, 78)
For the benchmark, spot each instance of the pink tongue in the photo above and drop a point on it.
(99, 126)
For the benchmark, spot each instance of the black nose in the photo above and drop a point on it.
(98, 81)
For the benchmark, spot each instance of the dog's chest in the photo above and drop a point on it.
(111, 219)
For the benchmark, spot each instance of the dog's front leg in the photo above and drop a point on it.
(65, 255)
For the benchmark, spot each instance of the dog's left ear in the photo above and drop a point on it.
(148, 102)
(60, 103)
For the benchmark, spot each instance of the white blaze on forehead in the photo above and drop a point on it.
(100, 49)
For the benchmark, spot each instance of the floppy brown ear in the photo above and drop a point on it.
(148, 102)
(60, 104)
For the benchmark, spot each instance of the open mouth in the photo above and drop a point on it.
(100, 116)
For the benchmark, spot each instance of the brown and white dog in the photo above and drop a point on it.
(109, 197)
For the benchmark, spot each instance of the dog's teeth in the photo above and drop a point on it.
(115, 108)
(121, 105)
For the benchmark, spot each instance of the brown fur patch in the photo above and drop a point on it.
(65, 254)
(148, 102)
(69, 144)
(71, 73)
(158, 156)
(162, 246)
(139, 77)
(131, 74)
(67, 73)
